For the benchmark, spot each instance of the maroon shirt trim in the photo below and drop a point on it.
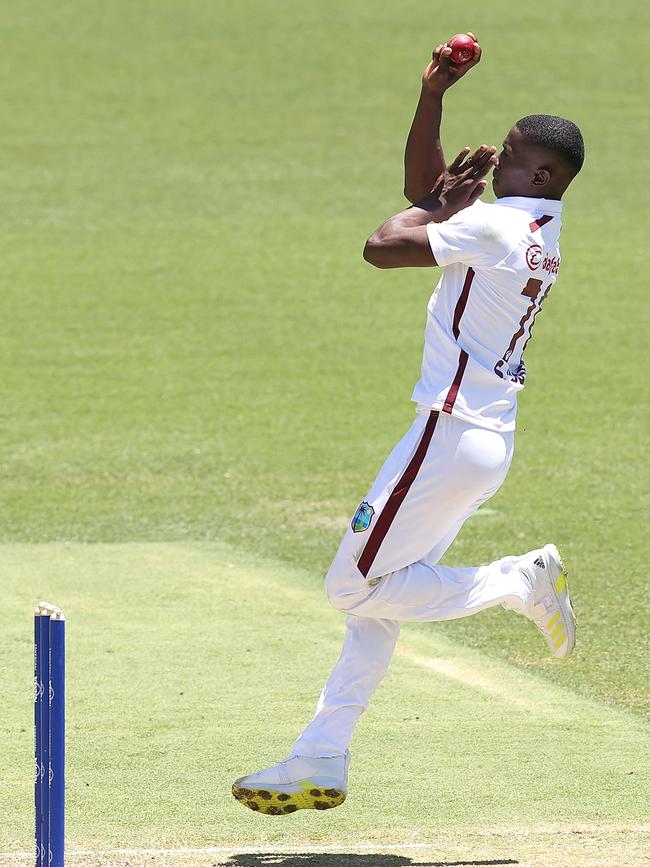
(452, 394)
(396, 498)
(462, 302)
(537, 224)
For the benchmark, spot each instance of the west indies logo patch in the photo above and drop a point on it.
(362, 517)
(534, 256)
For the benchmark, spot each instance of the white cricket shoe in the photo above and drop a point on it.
(297, 783)
(551, 609)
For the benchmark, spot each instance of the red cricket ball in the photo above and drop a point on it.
(462, 48)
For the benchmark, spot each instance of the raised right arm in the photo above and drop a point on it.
(424, 160)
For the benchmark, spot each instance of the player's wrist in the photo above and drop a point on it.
(428, 210)
(433, 92)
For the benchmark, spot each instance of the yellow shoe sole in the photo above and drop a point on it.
(282, 803)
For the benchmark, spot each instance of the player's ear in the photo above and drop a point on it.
(542, 177)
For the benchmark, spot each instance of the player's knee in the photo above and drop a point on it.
(338, 597)
(331, 592)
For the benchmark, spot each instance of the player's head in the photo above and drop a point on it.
(541, 155)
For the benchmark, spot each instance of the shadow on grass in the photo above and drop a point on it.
(341, 859)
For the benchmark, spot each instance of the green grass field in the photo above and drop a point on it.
(201, 378)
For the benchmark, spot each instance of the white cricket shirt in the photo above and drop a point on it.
(500, 261)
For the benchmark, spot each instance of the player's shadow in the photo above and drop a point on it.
(341, 859)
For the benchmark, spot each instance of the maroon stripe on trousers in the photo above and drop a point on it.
(462, 302)
(396, 498)
(452, 394)
(537, 224)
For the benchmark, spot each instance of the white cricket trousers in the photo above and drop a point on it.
(386, 570)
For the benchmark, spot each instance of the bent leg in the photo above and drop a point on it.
(424, 592)
(367, 651)
(422, 497)
(437, 476)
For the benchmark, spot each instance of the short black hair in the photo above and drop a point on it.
(555, 134)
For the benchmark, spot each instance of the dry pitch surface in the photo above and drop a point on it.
(461, 760)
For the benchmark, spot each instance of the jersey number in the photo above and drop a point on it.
(531, 290)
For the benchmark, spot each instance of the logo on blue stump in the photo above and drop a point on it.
(362, 517)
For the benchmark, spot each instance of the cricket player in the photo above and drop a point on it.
(499, 263)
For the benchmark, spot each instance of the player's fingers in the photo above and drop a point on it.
(483, 166)
(477, 192)
(472, 35)
(436, 52)
(477, 53)
(476, 157)
(459, 159)
(482, 153)
(481, 162)
(479, 150)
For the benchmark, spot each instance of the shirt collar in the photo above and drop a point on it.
(528, 203)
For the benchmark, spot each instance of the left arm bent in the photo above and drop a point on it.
(402, 241)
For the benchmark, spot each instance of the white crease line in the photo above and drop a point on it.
(268, 849)
(599, 830)
(262, 849)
